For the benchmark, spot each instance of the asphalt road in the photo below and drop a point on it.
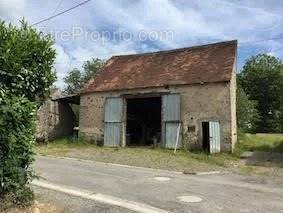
(213, 193)
(70, 204)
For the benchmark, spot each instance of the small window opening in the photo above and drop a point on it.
(191, 128)
(143, 121)
(205, 136)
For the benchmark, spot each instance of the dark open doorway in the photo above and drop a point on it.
(143, 121)
(205, 136)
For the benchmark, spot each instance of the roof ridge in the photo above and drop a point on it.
(179, 49)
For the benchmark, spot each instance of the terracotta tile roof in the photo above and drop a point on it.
(199, 64)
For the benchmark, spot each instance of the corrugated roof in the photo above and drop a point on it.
(200, 64)
(72, 98)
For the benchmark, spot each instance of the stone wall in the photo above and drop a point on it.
(233, 88)
(202, 102)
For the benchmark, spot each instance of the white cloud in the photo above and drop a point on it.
(103, 51)
(79, 54)
(12, 10)
(193, 22)
(275, 48)
(62, 64)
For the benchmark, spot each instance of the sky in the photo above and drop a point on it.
(103, 28)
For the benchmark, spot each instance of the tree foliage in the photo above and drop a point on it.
(76, 79)
(73, 81)
(261, 79)
(91, 67)
(26, 61)
(26, 74)
(247, 114)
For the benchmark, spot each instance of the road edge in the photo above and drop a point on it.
(102, 198)
(128, 166)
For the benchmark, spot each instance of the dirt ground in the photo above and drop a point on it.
(37, 207)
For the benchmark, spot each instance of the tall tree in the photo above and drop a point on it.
(261, 79)
(91, 67)
(73, 81)
(76, 79)
(280, 115)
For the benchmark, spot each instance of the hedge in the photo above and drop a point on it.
(17, 128)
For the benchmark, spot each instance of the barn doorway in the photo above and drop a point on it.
(143, 126)
(211, 136)
(205, 136)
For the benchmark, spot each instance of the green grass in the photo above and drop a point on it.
(163, 158)
(138, 156)
(259, 142)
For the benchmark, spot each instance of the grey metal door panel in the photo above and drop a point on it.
(113, 119)
(112, 134)
(171, 116)
(214, 137)
(163, 131)
(171, 107)
(113, 109)
(171, 131)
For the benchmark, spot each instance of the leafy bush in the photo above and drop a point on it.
(17, 128)
(26, 61)
(26, 74)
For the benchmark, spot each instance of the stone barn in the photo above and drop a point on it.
(172, 99)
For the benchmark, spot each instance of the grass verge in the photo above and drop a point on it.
(139, 156)
(259, 142)
(163, 158)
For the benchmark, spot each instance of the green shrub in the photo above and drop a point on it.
(17, 128)
(26, 61)
(26, 75)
